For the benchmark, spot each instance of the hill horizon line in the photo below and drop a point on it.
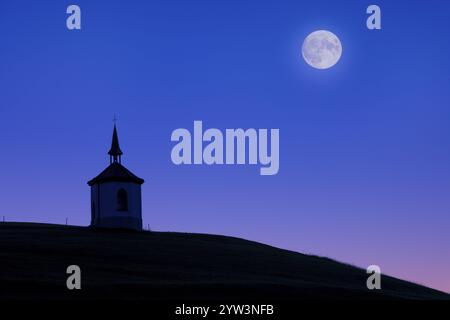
(179, 264)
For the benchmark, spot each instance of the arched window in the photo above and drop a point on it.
(122, 200)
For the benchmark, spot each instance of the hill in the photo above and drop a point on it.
(167, 266)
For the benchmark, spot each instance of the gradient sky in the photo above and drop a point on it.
(365, 146)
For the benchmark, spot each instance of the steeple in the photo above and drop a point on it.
(115, 154)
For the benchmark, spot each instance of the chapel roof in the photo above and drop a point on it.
(116, 172)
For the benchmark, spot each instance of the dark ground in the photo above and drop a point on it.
(174, 266)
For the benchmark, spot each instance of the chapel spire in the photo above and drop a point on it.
(115, 154)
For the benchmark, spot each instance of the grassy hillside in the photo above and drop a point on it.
(160, 265)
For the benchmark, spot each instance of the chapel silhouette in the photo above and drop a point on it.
(116, 194)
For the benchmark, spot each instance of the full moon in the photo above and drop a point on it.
(322, 49)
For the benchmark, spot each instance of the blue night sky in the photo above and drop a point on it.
(364, 146)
